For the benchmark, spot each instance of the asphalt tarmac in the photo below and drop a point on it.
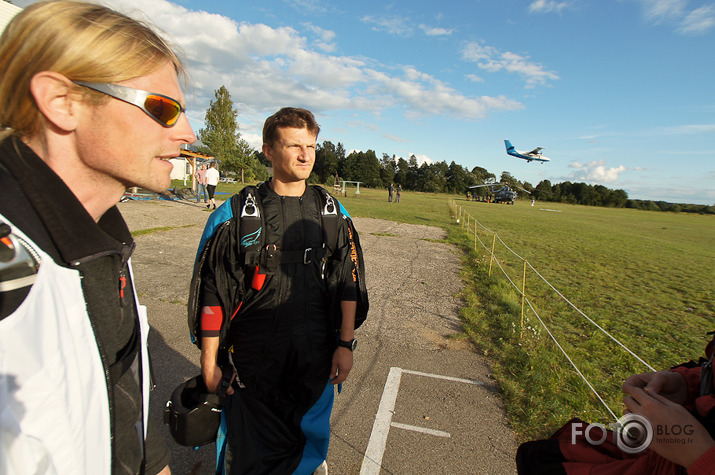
(418, 400)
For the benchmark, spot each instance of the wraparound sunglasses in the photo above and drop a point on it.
(163, 109)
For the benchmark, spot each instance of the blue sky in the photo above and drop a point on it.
(619, 92)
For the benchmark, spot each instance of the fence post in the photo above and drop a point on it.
(475, 235)
(523, 297)
(468, 216)
(494, 243)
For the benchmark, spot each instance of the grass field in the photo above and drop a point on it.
(647, 278)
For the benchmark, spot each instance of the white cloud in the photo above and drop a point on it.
(433, 31)
(404, 27)
(422, 94)
(595, 172)
(676, 12)
(421, 159)
(253, 139)
(548, 6)
(325, 38)
(699, 20)
(395, 138)
(492, 60)
(392, 25)
(266, 67)
(314, 6)
(689, 129)
(659, 10)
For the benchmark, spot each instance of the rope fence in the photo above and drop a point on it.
(471, 225)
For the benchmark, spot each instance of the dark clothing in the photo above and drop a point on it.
(36, 201)
(283, 336)
(569, 451)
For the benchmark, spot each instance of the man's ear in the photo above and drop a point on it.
(267, 152)
(55, 99)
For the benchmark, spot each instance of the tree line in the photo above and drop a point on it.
(221, 139)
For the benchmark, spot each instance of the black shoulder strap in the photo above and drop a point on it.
(248, 210)
(330, 222)
(329, 215)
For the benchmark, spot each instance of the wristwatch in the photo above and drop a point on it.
(350, 345)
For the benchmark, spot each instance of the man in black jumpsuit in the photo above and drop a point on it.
(283, 342)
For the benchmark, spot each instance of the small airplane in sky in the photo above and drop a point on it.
(528, 156)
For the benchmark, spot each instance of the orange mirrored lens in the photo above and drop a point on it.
(163, 109)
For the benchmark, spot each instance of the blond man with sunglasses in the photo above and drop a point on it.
(90, 104)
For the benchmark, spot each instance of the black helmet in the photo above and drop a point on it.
(194, 414)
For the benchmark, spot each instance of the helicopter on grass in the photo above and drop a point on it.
(500, 192)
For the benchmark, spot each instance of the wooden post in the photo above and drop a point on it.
(523, 298)
(475, 235)
(494, 243)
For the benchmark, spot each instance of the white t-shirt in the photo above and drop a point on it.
(212, 176)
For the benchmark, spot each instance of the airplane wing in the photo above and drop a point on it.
(536, 151)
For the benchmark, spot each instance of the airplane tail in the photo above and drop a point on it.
(509, 146)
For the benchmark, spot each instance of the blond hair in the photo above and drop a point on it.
(83, 42)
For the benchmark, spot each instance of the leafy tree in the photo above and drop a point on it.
(221, 135)
(262, 159)
(412, 178)
(508, 179)
(326, 161)
(543, 191)
(347, 168)
(457, 179)
(435, 177)
(243, 159)
(388, 168)
(482, 175)
(401, 171)
(619, 198)
(363, 167)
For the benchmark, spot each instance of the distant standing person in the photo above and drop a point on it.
(201, 182)
(399, 192)
(211, 183)
(390, 191)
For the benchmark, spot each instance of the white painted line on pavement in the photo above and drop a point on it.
(381, 427)
(423, 430)
(448, 378)
(372, 461)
